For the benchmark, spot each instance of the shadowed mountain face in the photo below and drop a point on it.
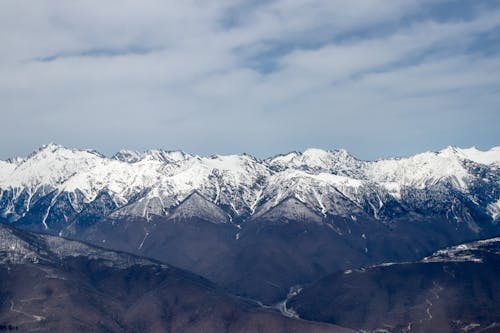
(264, 258)
(49, 284)
(257, 227)
(454, 290)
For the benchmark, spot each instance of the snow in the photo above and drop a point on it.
(464, 252)
(6, 169)
(488, 157)
(325, 182)
(313, 159)
(494, 209)
(143, 240)
(290, 208)
(14, 249)
(51, 165)
(197, 206)
(393, 188)
(419, 171)
(322, 192)
(36, 248)
(282, 306)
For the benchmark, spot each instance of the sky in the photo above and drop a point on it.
(376, 77)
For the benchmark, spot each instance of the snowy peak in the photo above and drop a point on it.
(421, 170)
(58, 151)
(430, 168)
(289, 209)
(129, 156)
(317, 160)
(62, 182)
(132, 156)
(197, 206)
(50, 165)
(165, 156)
(473, 154)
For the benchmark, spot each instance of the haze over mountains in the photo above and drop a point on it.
(263, 229)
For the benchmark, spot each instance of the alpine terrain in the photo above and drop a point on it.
(453, 290)
(262, 229)
(51, 284)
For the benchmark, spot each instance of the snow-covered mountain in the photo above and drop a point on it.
(257, 227)
(56, 187)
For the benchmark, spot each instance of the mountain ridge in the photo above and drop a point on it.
(453, 290)
(257, 227)
(49, 284)
(155, 181)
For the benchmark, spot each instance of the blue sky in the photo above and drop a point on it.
(376, 77)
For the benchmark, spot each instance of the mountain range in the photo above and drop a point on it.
(70, 187)
(258, 228)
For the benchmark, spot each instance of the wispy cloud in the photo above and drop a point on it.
(376, 77)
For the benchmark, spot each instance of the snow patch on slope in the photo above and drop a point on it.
(465, 252)
(64, 248)
(494, 210)
(35, 248)
(196, 206)
(15, 250)
(290, 209)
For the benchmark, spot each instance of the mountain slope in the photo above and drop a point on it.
(257, 227)
(53, 186)
(454, 290)
(51, 284)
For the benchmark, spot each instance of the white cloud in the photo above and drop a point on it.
(189, 75)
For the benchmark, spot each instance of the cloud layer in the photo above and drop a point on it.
(375, 77)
